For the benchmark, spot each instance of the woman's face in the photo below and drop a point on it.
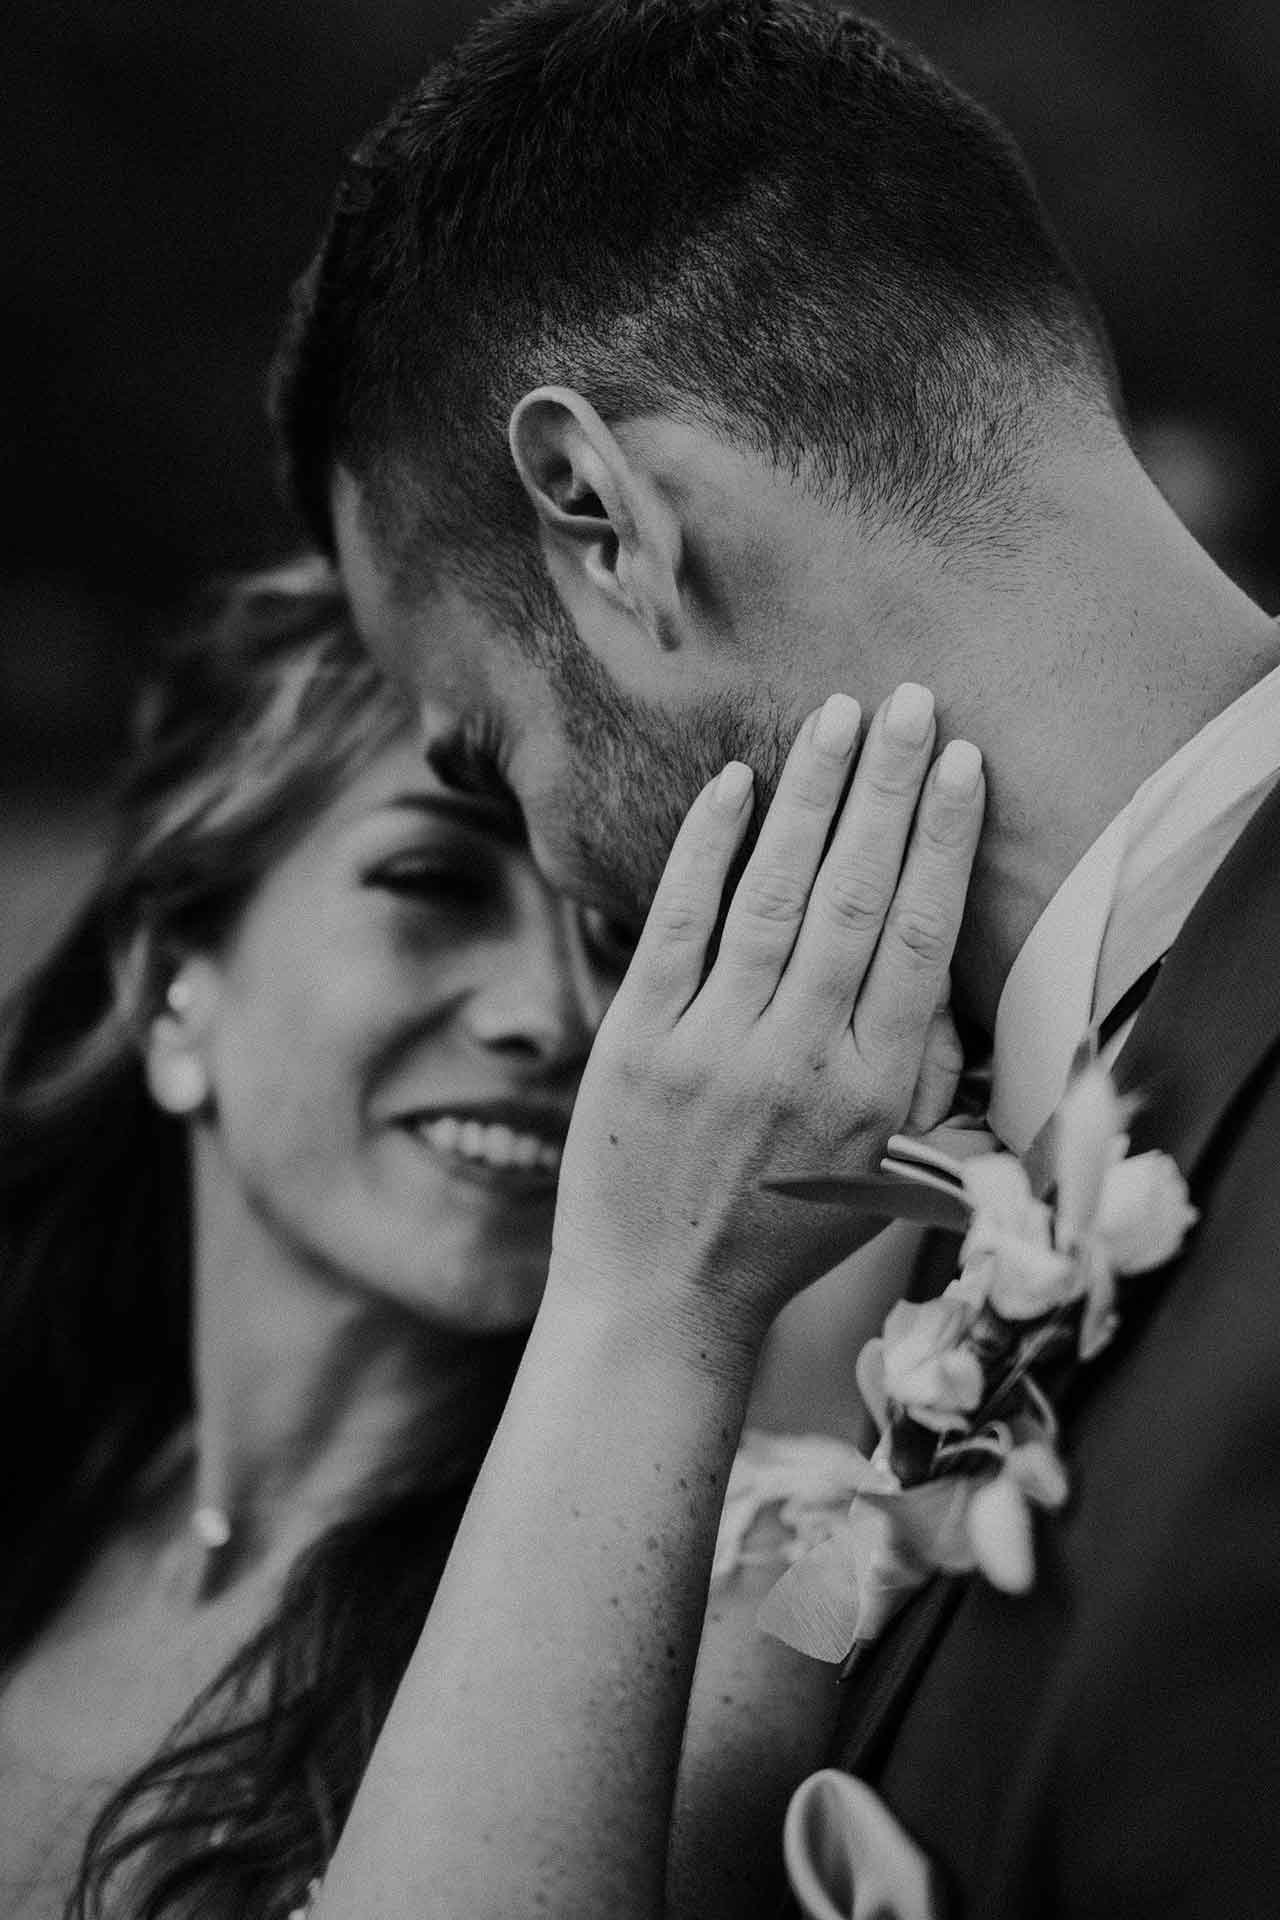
(393, 1036)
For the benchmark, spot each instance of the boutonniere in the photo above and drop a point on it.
(962, 1387)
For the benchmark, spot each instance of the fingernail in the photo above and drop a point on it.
(733, 784)
(959, 770)
(909, 715)
(837, 726)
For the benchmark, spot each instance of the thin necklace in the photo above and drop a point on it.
(208, 1523)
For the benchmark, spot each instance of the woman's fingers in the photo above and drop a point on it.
(720, 1088)
(855, 887)
(771, 898)
(908, 976)
(855, 922)
(666, 968)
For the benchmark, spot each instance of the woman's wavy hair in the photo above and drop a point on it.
(264, 710)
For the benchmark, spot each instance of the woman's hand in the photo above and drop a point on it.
(818, 1029)
(578, 1581)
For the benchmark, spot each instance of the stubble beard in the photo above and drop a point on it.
(635, 770)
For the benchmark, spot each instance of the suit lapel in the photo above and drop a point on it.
(884, 1678)
(1211, 1018)
(1213, 1014)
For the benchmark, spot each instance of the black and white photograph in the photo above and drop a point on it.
(639, 1007)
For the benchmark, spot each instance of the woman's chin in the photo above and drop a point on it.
(460, 1250)
(482, 1278)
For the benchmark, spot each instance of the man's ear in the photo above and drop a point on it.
(608, 535)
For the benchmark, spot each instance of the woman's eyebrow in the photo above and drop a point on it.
(465, 761)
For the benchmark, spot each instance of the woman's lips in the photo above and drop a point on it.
(496, 1153)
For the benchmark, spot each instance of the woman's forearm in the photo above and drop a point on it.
(530, 1759)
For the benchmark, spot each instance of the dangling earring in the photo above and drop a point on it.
(179, 1082)
(212, 1527)
(177, 1076)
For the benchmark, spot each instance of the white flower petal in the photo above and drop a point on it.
(869, 1374)
(1039, 1472)
(1027, 1281)
(997, 1184)
(1085, 1129)
(847, 1858)
(937, 1388)
(1099, 1321)
(929, 1522)
(901, 1319)
(973, 1283)
(1144, 1214)
(916, 1335)
(999, 1523)
(818, 1606)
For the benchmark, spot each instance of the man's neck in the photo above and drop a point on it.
(1127, 642)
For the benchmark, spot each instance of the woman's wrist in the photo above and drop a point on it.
(646, 1317)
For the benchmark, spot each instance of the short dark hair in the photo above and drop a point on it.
(765, 215)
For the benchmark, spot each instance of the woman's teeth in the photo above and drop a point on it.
(496, 1146)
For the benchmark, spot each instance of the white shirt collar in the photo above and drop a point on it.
(1124, 903)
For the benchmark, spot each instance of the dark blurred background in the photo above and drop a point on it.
(170, 170)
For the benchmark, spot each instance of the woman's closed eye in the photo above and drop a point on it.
(432, 876)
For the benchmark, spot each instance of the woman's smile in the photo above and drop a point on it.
(510, 1147)
(396, 1029)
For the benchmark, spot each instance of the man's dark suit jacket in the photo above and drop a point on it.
(1109, 1745)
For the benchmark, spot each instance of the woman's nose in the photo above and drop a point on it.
(540, 1004)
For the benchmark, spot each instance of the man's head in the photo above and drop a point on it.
(647, 338)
